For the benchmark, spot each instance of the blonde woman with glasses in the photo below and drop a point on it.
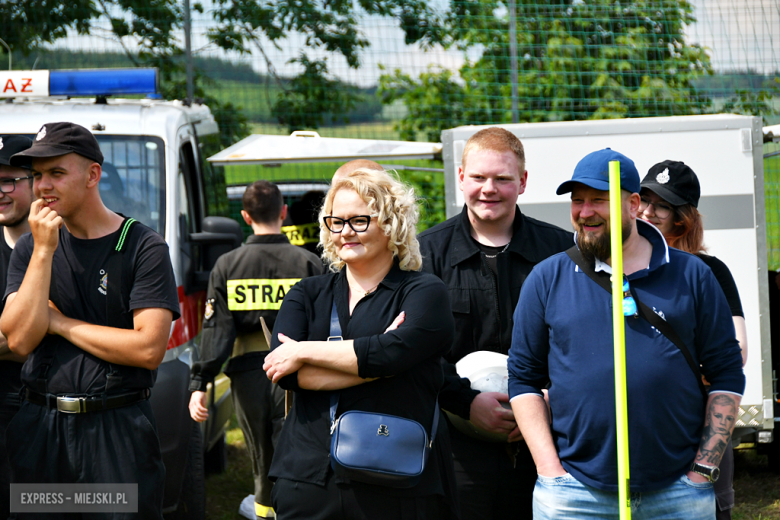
(395, 323)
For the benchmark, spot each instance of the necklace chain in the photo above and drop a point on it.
(365, 293)
(495, 255)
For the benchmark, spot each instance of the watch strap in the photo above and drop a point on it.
(711, 472)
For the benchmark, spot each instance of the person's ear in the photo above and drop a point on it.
(246, 218)
(94, 172)
(283, 214)
(634, 200)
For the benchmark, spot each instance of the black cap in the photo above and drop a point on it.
(11, 144)
(55, 139)
(673, 181)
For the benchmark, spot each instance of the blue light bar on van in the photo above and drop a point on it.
(102, 82)
(74, 83)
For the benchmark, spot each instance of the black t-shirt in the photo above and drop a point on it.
(10, 379)
(726, 281)
(79, 271)
(407, 362)
(491, 255)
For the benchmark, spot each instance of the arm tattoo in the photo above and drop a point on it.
(718, 425)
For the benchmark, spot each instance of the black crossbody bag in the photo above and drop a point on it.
(663, 326)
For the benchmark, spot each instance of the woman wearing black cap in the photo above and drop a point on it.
(670, 196)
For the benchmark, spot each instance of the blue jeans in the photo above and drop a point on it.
(565, 498)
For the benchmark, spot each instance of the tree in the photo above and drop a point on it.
(313, 95)
(239, 25)
(577, 59)
(28, 26)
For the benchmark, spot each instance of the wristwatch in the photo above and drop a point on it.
(711, 472)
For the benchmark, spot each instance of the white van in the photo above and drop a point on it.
(154, 172)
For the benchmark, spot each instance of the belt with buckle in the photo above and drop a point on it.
(68, 404)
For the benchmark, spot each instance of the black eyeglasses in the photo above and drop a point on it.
(629, 304)
(358, 223)
(662, 209)
(9, 185)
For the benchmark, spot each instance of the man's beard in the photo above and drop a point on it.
(598, 246)
(18, 220)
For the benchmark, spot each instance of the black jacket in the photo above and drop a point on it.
(260, 273)
(483, 308)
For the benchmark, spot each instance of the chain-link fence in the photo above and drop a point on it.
(410, 68)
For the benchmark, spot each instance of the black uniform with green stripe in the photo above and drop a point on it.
(81, 274)
(99, 281)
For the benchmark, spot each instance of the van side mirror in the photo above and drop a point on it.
(219, 235)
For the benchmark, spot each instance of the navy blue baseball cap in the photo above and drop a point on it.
(593, 171)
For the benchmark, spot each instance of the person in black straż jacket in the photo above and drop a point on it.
(248, 284)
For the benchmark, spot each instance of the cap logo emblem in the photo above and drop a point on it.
(1, 143)
(41, 134)
(663, 177)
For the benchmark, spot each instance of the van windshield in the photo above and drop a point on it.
(133, 179)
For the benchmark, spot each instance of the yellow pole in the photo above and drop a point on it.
(619, 334)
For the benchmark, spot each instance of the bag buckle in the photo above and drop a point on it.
(71, 404)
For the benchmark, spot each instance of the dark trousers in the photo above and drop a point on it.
(724, 486)
(113, 446)
(495, 481)
(301, 501)
(259, 408)
(8, 409)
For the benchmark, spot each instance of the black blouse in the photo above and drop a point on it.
(407, 361)
(726, 281)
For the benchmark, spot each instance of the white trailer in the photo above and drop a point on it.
(725, 151)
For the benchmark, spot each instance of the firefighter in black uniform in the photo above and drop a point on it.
(246, 285)
(90, 299)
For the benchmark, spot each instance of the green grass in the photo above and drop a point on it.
(224, 492)
(254, 98)
(772, 202)
(375, 130)
(757, 488)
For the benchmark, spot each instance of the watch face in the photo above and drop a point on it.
(715, 474)
(712, 473)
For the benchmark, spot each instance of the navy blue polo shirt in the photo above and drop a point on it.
(563, 334)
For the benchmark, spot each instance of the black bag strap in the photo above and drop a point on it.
(663, 326)
(335, 335)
